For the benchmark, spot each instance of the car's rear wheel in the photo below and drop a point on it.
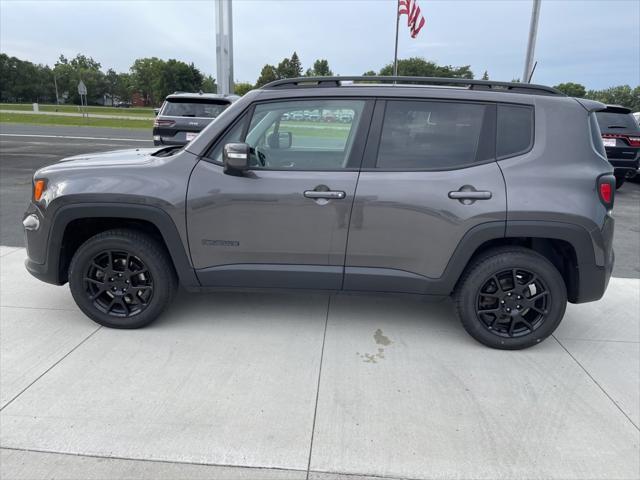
(122, 279)
(511, 298)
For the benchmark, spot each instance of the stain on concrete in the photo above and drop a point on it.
(380, 339)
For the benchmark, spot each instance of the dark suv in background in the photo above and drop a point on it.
(621, 139)
(499, 194)
(184, 115)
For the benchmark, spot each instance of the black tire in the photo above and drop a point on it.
(619, 182)
(133, 264)
(491, 317)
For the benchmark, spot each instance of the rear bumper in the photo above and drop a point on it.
(593, 277)
(625, 168)
(593, 281)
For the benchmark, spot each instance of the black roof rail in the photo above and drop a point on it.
(513, 87)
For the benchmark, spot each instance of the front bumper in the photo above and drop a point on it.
(39, 263)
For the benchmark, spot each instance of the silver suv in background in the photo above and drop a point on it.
(184, 115)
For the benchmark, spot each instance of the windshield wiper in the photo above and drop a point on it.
(168, 151)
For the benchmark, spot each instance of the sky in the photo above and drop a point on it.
(593, 42)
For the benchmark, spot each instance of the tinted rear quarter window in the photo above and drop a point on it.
(514, 130)
(432, 135)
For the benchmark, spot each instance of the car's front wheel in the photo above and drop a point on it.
(511, 298)
(122, 278)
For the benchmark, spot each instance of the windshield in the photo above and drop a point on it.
(193, 108)
(616, 122)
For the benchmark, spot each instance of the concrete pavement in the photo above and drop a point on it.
(290, 386)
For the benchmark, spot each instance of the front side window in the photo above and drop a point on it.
(431, 135)
(303, 135)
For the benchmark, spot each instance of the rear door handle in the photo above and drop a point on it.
(470, 195)
(329, 194)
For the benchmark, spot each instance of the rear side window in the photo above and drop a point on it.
(514, 130)
(433, 135)
(193, 108)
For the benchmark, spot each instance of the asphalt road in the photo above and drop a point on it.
(25, 148)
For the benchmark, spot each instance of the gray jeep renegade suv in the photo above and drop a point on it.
(435, 187)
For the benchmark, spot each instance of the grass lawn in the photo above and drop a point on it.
(126, 112)
(143, 123)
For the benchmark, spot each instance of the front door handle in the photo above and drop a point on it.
(329, 194)
(477, 195)
(467, 194)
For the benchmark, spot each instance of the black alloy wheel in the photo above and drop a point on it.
(513, 303)
(118, 283)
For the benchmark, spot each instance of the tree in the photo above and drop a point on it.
(144, 73)
(175, 75)
(69, 73)
(268, 74)
(123, 89)
(111, 81)
(320, 69)
(621, 95)
(485, 75)
(23, 81)
(241, 88)
(419, 67)
(289, 67)
(572, 89)
(369, 73)
(209, 85)
(296, 65)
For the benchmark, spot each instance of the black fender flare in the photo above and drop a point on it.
(147, 213)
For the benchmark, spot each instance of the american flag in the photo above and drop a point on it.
(415, 20)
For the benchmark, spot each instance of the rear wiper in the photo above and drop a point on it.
(187, 115)
(616, 126)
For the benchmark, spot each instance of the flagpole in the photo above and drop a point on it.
(395, 54)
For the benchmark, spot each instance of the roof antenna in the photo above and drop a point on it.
(532, 70)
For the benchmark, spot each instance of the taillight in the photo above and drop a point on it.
(606, 190)
(633, 141)
(163, 123)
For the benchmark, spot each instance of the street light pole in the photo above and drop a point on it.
(224, 47)
(531, 45)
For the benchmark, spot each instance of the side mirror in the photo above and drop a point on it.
(236, 158)
(282, 140)
(156, 111)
